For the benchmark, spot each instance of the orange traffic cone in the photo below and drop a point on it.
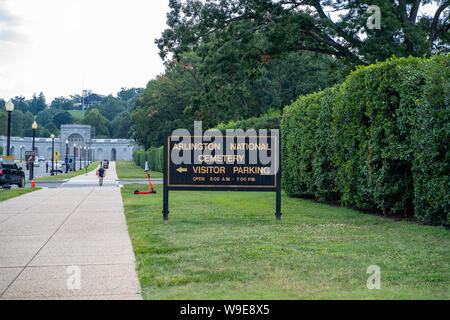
(33, 184)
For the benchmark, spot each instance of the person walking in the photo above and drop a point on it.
(101, 175)
(46, 167)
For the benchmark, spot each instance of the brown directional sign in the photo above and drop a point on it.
(30, 156)
(234, 163)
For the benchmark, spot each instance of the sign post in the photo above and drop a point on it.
(30, 158)
(237, 163)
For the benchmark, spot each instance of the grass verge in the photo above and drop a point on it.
(227, 245)
(129, 170)
(65, 176)
(8, 194)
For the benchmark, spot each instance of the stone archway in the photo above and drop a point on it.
(113, 154)
(75, 139)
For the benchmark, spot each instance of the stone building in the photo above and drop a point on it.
(105, 149)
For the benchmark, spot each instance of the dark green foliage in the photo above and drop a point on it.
(431, 141)
(270, 120)
(275, 28)
(62, 103)
(377, 142)
(97, 121)
(62, 118)
(1, 150)
(154, 157)
(3, 123)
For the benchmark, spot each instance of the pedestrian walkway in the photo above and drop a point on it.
(67, 243)
(90, 179)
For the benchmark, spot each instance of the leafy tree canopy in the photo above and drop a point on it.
(336, 28)
(61, 118)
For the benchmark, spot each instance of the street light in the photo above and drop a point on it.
(80, 149)
(74, 157)
(85, 153)
(10, 108)
(67, 156)
(53, 153)
(34, 126)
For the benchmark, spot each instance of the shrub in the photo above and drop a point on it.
(377, 142)
(271, 120)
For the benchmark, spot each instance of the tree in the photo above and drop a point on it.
(130, 94)
(37, 104)
(62, 103)
(121, 126)
(27, 121)
(111, 107)
(20, 104)
(17, 118)
(52, 128)
(41, 132)
(305, 25)
(44, 117)
(61, 118)
(96, 120)
(3, 123)
(161, 108)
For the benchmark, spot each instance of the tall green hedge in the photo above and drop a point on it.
(271, 120)
(153, 156)
(378, 142)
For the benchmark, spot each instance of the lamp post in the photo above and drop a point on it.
(74, 157)
(85, 154)
(53, 154)
(34, 126)
(10, 108)
(67, 156)
(80, 150)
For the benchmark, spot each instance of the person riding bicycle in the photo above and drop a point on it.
(101, 175)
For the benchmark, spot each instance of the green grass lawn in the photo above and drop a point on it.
(77, 114)
(65, 176)
(8, 194)
(228, 245)
(129, 170)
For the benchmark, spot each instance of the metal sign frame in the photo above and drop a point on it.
(276, 187)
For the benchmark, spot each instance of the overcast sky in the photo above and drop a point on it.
(54, 46)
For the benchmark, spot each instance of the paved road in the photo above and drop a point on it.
(53, 240)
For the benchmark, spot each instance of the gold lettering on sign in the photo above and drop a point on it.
(251, 170)
(209, 170)
(197, 146)
(250, 147)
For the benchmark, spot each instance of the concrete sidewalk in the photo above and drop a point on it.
(53, 240)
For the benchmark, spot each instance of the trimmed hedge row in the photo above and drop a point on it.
(378, 142)
(271, 120)
(153, 156)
